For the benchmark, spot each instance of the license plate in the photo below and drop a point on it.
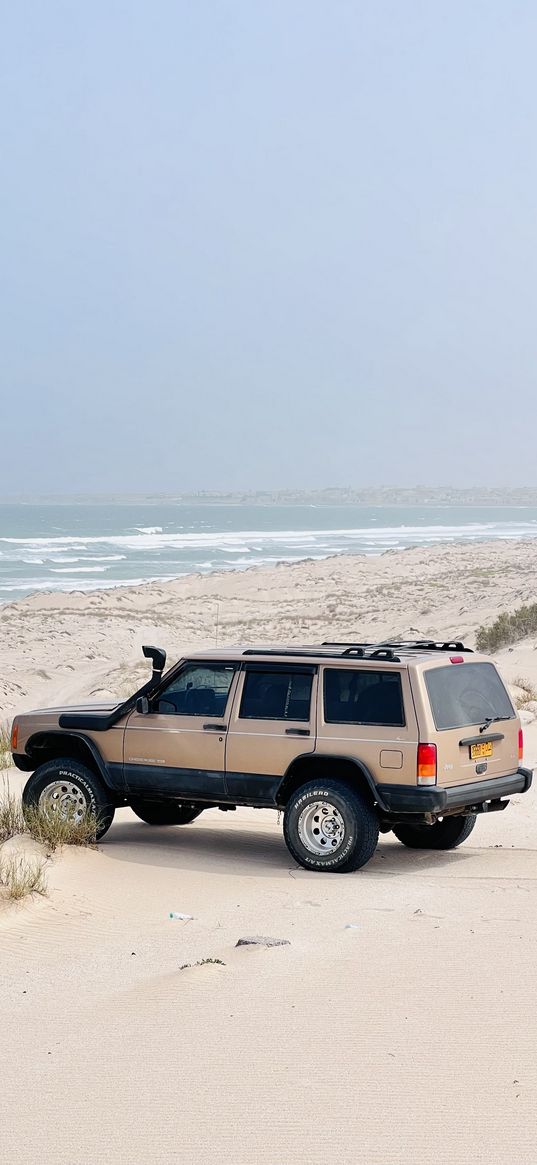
(477, 751)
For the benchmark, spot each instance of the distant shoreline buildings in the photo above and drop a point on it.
(418, 495)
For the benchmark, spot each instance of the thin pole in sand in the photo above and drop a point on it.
(216, 627)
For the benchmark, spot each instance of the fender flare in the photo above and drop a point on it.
(90, 744)
(361, 767)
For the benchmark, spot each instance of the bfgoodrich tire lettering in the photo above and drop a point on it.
(72, 772)
(360, 826)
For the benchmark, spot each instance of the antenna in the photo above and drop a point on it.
(216, 627)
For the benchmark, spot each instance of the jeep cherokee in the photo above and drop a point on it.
(347, 739)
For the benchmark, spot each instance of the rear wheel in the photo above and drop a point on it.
(69, 789)
(445, 834)
(330, 826)
(165, 813)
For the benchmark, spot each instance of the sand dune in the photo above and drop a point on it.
(362, 1044)
(66, 646)
(407, 1038)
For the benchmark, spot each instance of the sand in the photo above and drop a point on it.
(408, 1037)
(65, 647)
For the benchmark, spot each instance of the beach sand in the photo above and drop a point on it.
(64, 647)
(408, 1036)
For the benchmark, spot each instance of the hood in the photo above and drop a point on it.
(109, 707)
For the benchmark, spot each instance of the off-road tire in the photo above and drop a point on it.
(445, 834)
(94, 791)
(165, 813)
(360, 823)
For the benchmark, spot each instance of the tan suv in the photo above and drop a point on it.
(348, 739)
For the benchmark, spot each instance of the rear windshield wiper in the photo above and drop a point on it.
(490, 720)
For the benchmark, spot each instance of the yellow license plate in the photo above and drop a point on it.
(477, 751)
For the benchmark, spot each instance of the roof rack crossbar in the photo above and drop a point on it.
(431, 645)
(377, 653)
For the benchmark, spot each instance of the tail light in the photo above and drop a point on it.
(14, 736)
(520, 744)
(426, 764)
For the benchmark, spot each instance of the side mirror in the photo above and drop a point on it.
(142, 705)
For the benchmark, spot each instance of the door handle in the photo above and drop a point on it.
(215, 727)
(297, 732)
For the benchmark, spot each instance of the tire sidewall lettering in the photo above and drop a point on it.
(342, 855)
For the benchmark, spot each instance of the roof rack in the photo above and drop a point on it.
(383, 652)
(406, 645)
(386, 652)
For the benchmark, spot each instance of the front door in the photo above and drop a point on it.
(272, 722)
(177, 748)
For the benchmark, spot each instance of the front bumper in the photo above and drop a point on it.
(398, 799)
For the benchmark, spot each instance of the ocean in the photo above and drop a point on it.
(84, 547)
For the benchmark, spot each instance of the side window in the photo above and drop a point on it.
(357, 696)
(198, 690)
(276, 695)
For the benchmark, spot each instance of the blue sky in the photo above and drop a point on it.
(267, 244)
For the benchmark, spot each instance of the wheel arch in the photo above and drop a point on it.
(311, 766)
(46, 746)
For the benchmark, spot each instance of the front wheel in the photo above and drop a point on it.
(165, 812)
(445, 834)
(330, 826)
(69, 789)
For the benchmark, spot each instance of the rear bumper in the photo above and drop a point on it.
(413, 799)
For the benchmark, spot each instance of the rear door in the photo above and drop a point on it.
(472, 720)
(272, 722)
(367, 713)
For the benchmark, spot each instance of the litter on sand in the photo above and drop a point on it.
(180, 917)
(259, 940)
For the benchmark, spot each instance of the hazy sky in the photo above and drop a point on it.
(267, 243)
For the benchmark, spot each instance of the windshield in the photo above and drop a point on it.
(465, 694)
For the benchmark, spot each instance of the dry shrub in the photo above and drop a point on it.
(50, 828)
(20, 876)
(55, 829)
(508, 629)
(11, 818)
(5, 746)
(527, 688)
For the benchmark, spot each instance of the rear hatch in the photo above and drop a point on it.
(472, 721)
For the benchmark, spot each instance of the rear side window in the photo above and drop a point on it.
(363, 697)
(276, 695)
(465, 694)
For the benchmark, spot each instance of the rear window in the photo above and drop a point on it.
(467, 693)
(358, 696)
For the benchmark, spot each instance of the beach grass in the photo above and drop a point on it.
(5, 746)
(528, 691)
(54, 830)
(508, 628)
(21, 876)
(11, 818)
